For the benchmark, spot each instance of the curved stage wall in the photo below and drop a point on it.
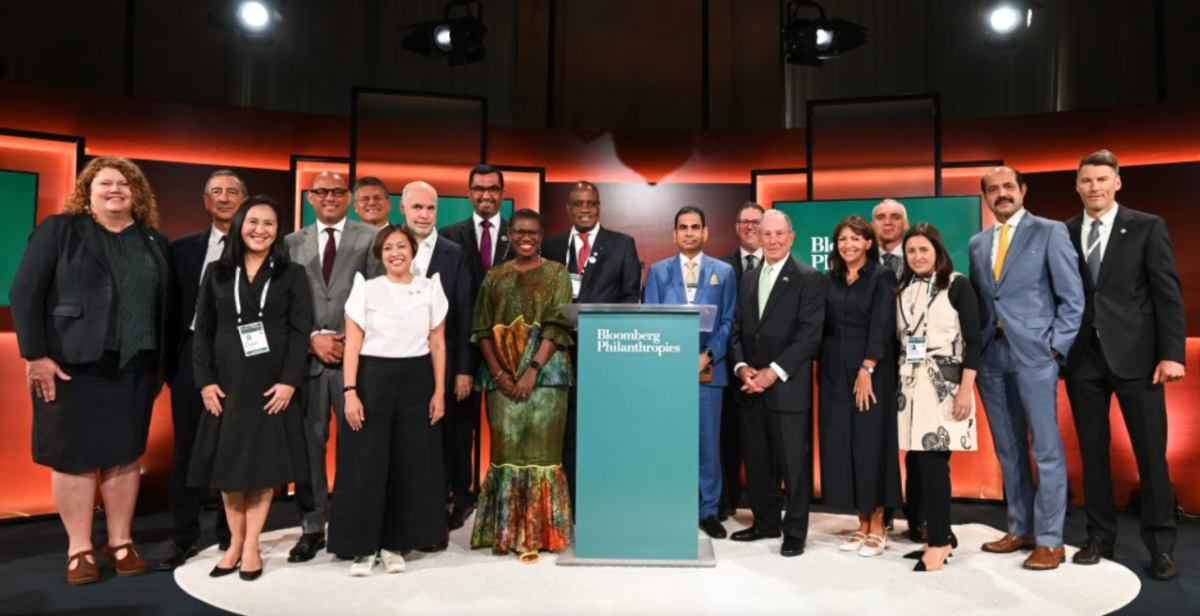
(644, 175)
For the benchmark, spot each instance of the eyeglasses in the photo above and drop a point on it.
(579, 205)
(491, 190)
(524, 232)
(325, 192)
(743, 222)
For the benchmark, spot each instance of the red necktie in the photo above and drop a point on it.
(485, 246)
(330, 255)
(584, 253)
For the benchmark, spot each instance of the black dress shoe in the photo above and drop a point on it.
(1162, 567)
(437, 547)
(792, 546)
(177, 555)
(722, 513)
(250, 576)
(306, 548)
(458, 516)
(754, 533)
(712, 527)
(1092, 551)
(219, 571)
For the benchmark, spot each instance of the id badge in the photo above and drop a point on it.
(690, 289)
(914, 349)
(576, 282)
(254, 339)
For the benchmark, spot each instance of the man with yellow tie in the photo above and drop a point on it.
(1025, 272)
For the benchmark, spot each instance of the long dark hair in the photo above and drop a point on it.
(943, 266)
(234, 255)
(861, 228)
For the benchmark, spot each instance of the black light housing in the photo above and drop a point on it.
(812, 41)
(458, 39)
(255, 20)
(1005, 21)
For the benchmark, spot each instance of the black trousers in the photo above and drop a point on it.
(731, 449)
(390, 493)
(770, 440)
(460, 434)
(186, 409)
(1090, 388)
(934, 469)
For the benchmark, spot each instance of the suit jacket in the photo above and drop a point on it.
(1039, 297)
(62, 293)
(449, 261)
(716, 287)
(187, 261)
(613, 274)
(353, 257)
(1136, 304)
(463, 234)
(788, 333)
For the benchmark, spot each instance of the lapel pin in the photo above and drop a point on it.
(503, 238)
(592, 259)
(785, 278)
(1122, 229)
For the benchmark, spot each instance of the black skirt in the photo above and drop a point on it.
(100, 418)
(389, 492)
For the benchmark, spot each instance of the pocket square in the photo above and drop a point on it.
(714, 280)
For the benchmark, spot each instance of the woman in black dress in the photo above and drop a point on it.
(253, 320)
(89, 307)
(860, 468)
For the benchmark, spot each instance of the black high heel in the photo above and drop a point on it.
(918, 554)
(250, 576)
(219, 571)
(921, 568)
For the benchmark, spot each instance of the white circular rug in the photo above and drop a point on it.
(750, 578)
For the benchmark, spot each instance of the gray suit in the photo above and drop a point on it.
(323, 387)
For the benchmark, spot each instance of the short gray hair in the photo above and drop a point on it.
(903, 209)
(226, 173)
(769, 214)
(411, 186)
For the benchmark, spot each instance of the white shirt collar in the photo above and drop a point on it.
(430, 241)
(757, 254)
(1014, 221)
(1107, 220)
(591, 234)
(479, 220)
(683, 261)
(339, 226)
(215, 236)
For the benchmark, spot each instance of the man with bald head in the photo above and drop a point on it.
(332, 250)
(371, 202)
(438, 256)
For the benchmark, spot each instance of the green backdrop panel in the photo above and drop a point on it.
(450, 210)
(18, 201)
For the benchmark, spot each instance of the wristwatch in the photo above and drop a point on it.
(709, 353)
(869, 369)
(533, 363)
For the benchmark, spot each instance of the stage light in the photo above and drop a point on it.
(812, 41)
(459, 38)
(255, 20)
(253, 16)
(1005, 22)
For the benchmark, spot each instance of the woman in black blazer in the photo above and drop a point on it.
(89, 304)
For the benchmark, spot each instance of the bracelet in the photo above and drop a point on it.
(349, 388)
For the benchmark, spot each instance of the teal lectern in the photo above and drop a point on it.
(638, 443)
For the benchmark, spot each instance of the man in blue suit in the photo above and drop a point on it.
(694, 278)
(1026, 274)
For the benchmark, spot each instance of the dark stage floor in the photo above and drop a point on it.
(32, 559)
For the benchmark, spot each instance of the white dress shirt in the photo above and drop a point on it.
(211, 255)
(757, 254)
(494, 231)
(323, 237)
(776, 268)
(1012, 232)
(420, 265)
(690, 294)
(578, 243)
(1106, 227)
(396, 318)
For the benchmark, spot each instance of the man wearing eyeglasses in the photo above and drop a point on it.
(747, 257)
(333, 249)
(191, 255)
(484, 236)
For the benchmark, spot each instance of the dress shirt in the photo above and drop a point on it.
(757, 254)
(683, 271)
(777, 267)
(211, 254)
(420, 265)
(323, 237)
(494, 231)
(1106, 226)
(898, 251)
(396, 318)
(578, 244)
(1012, 233)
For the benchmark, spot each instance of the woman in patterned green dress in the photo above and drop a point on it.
(519, 325)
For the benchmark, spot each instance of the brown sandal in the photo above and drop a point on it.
(130, 565)
(86, 571)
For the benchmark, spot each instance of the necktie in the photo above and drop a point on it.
(585, 251)
(1093, 257)
(764, 287)
(751, 263)
(892, 262)
(330, 255)
(1002, 250)
(690, 278)
(485, 246)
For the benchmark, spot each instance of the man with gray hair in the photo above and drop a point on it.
(439, 256)
(889, 219)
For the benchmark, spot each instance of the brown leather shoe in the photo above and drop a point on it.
(86, 571)
(1045, 559)
(1009, 543)
(130, 565)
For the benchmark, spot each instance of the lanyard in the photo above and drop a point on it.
(237, 294)
(930, 293)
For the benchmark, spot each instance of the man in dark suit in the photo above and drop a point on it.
(604, 269)
(191, 255)
(747, 257)
(776, 335)
(1130, 343)
(438, 256)
(484, 238)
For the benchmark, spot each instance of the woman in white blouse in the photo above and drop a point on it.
(390, 489)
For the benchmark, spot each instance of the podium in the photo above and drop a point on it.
(638, 436)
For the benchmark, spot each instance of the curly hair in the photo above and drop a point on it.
(145, 209)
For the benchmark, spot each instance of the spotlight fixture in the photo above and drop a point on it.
(812, 41)
(459, 38)
(1004, 22)
(255, 20)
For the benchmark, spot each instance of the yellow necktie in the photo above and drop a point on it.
(691, 273)
(1001, 252)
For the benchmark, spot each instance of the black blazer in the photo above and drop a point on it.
(613, 275)
(787, 334)
(63, 290)
(449, 262)
(1137, 302)
(463, 234)
(187, 261)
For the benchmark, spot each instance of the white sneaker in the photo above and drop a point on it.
(362, 566)
(393, 562)
(854, 542)
(873, 550)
